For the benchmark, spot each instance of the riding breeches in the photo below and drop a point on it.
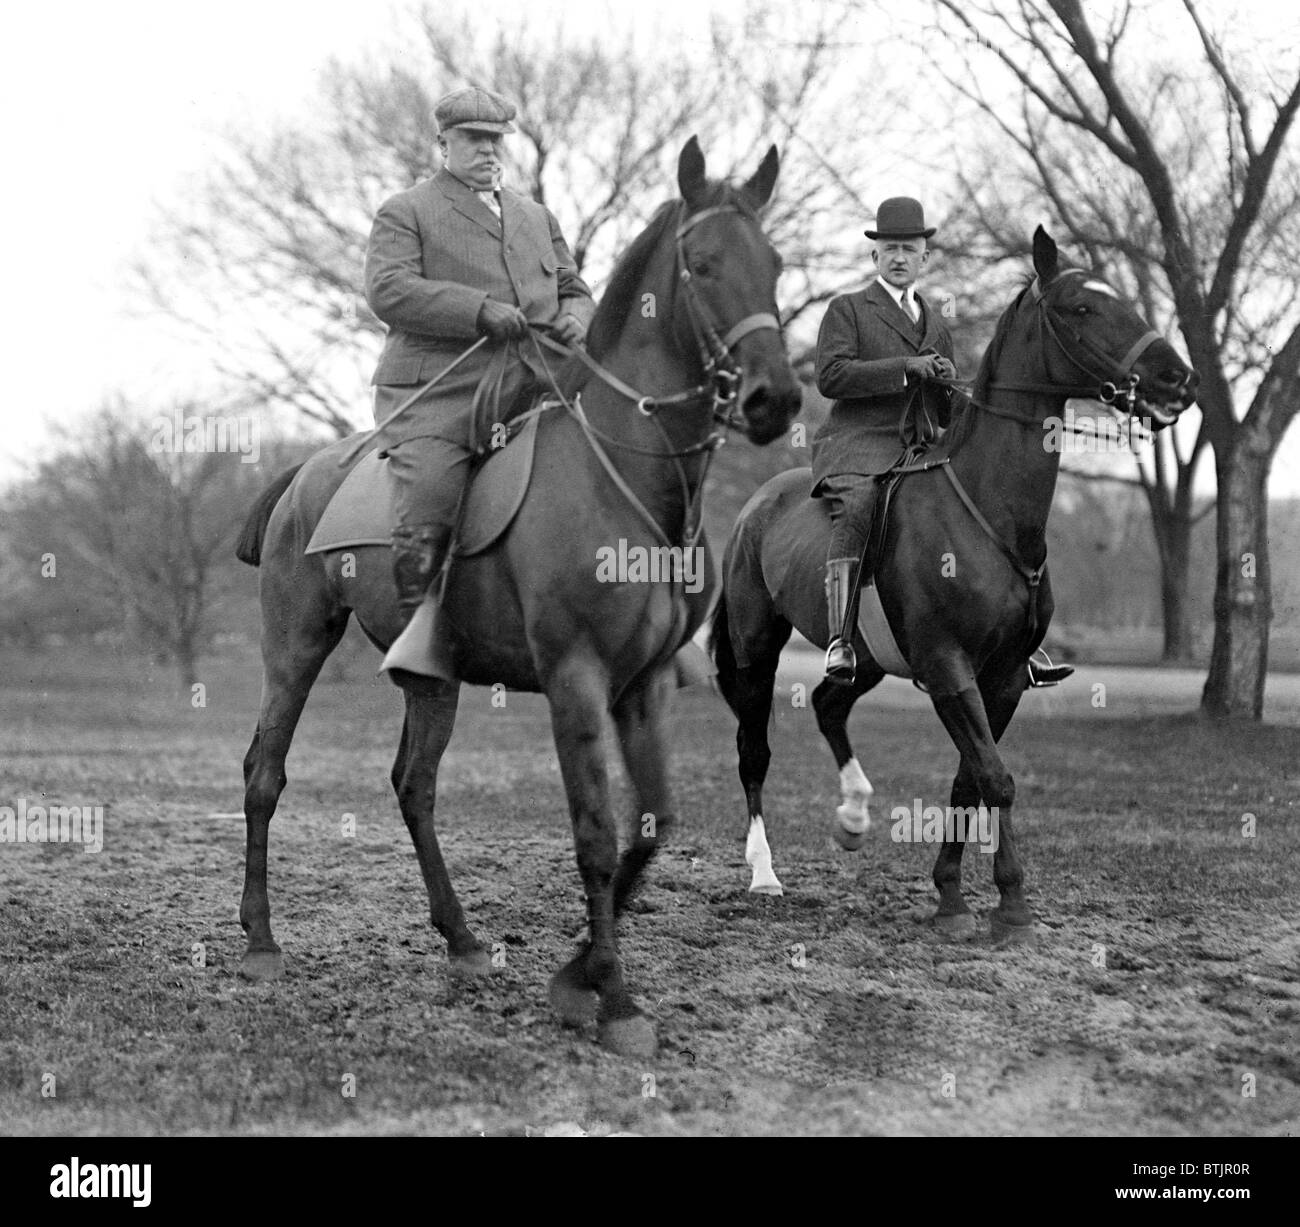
(850, 498)
(429, 470)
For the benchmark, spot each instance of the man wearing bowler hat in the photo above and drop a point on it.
(452, 259)
(878, 352)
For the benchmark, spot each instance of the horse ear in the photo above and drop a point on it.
(690, 170)
(758, 190)
(1045, 256)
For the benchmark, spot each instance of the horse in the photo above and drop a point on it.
(960, 570)
(686, 335)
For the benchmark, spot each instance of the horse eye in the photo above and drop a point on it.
(1083, 309)
(702, 268)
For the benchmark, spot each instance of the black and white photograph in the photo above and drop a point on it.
(536, 533)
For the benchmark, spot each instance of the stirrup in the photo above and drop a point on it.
(841, 661)
(1043, 676)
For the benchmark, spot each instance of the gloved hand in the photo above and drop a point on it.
(501, 322)
(569, 329)
(930, 366)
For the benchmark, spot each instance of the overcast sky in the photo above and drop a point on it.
(111, 108)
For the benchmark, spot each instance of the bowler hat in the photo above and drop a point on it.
(900, 217)
(474, 107)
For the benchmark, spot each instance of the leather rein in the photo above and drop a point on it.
(721, 387)
(1109, 390)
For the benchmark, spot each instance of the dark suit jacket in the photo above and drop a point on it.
(435, 253)
(864, 343)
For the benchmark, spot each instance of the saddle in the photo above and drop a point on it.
(923, 449)
(361, 511)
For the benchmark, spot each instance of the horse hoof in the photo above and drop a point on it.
(1005, 934)
(470, 966)
(954, 925)
(629, 1037)
(259, 965)
(850, 841)
(766, 888)
(572, 998)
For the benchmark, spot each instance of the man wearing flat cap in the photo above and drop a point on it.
(877, 350)
(452, 259)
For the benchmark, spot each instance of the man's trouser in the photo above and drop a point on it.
(850, 499)
(430, 473)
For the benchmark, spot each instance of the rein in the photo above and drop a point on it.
(721, 386)
(1106, 390)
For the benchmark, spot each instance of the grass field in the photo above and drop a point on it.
(1162, 995)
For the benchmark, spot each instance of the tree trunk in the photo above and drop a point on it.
(1243, 602)
(1175, 563)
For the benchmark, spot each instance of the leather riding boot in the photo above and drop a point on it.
(418, 552)
(841, 661)
(1046, 674)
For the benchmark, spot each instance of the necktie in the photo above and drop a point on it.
(490, 199)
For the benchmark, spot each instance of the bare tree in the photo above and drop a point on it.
(264, 264)
(1218, 181)
(124, 519)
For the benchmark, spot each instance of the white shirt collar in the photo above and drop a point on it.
(913, 307)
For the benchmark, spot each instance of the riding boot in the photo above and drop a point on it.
(841, 661)
(418, 554)
(1043, 675)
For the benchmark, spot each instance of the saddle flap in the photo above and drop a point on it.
(361, 511)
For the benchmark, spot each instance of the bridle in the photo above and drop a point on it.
(1114, 386)
(720, 388)
(722, 372)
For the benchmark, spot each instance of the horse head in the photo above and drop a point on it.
(1092, 343)
(727, 273)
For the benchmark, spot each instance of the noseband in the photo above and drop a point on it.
(1115, 386)
(720, 365)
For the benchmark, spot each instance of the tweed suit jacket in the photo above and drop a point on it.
(435, 253)
(862, 350)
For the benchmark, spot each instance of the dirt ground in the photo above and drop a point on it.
(1162, 995)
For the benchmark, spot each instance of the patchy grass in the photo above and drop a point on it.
(1163, 985)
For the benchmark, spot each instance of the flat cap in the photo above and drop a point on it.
(476, 108)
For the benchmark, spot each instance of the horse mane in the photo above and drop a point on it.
(965, 419)
(621, 295)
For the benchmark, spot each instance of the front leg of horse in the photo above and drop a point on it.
(577, 703)
(639, 717)
(954, 918)
(965, 718)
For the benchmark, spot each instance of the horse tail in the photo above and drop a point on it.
(720, 649)
(249, 546)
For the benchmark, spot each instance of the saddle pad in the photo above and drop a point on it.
(880, 639)
(361, 511)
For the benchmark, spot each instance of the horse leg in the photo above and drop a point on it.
(953, 918)
(832, 702)
(748, 690)
(430, 717)
(639, 718)
(968, 723)
(292, 657)
(750, 697)
(577, 693)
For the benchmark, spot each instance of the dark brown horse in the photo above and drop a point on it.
(688, 325)
(961, 572)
